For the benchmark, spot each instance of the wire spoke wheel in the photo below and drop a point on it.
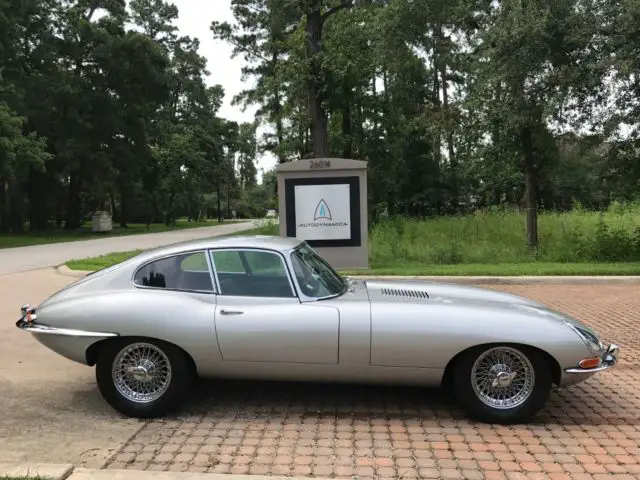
(141, 372)
(502, 378)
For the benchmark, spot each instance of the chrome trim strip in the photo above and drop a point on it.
(609, 359)
(212, 273)
(589, 370)
(65, 332)
(579, 331)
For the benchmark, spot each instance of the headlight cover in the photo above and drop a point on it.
(592, 342)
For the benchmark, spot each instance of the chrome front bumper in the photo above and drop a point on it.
(608, 360)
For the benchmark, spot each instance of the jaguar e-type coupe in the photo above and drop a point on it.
(269, 307)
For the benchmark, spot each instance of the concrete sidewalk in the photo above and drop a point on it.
(69, 472)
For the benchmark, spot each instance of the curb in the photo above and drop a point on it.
(89, 474)
(468, 280)
(514, 280)
(67, 272)
(49, 471)
(54, 471)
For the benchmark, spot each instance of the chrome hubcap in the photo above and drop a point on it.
(502, 377)
(141, 372)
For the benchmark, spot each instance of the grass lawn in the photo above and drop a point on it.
(492, 243)
(8, 240)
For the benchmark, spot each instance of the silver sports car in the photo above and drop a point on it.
(272, 308)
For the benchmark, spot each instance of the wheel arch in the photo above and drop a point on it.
(554, 365)
(93, 351)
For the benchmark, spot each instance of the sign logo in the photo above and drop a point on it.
(322, 211)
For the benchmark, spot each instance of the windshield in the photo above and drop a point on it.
(315, 276)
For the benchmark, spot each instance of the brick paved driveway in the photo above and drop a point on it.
(588, 431)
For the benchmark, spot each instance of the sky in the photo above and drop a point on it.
(195, 17)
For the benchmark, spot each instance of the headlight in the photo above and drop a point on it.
(592, 342)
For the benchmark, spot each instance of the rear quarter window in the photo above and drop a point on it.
(189, 272)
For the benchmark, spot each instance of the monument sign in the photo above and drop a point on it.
(324, 201)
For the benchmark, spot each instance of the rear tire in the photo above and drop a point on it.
(143, 378)
(502, 384)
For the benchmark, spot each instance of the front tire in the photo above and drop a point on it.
(143, 378)
(502, 383)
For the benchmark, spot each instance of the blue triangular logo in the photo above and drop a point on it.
(322, 211)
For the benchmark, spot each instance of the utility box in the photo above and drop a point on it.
(101, 222)
(324, 201)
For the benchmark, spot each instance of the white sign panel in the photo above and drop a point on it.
(323, 212)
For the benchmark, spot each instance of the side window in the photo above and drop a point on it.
(189, 271)
(265, 263)
(251, 273)
(228, 261)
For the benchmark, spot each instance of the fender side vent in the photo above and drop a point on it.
(396, 292)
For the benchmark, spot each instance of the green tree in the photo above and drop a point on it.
(537, 55)
(247, 149)
(19, 154)
(260, 35)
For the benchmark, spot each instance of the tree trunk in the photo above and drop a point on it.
(280, 135)
(4, 215)
(441, 66)
(72, 220)
(219, 202)
(277, 110)
(347, 150)
(124, 205)
(437, 140)
(453, 163)
(168, 217)
(123, 212)
(319, 133)
(16, 214)
(530, 186)
(114, 209)
(356, 124)
(38, 212)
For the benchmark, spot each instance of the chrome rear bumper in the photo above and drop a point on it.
(29, 324)
(608, 360)
(33, 327)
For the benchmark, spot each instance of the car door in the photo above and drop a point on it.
(259, 317)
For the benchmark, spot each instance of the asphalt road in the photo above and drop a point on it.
(21, 259)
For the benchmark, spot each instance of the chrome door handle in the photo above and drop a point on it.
(231, 312)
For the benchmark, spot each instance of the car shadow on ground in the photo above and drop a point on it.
(595, 402)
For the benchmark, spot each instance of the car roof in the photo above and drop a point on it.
(270, 242)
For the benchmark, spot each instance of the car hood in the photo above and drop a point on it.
(413, 292)
(423, 291)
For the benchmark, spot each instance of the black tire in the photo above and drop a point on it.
(175, 389)
(471, 402)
